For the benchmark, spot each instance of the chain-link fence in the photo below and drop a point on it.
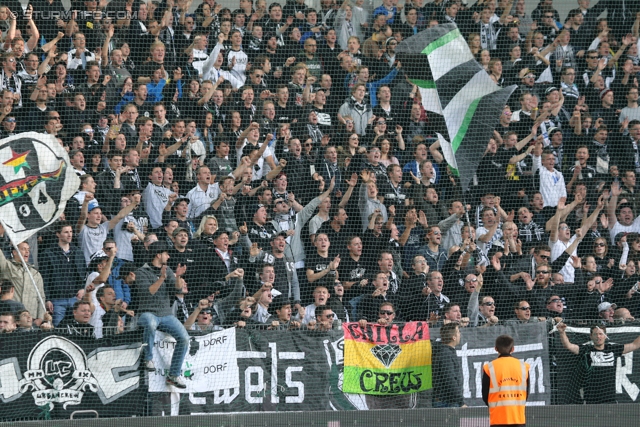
(259, 206)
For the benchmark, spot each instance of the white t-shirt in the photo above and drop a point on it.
(91, 239)
(309, 314)
(96, 320)
(557, 248)
(485, 247)
(155, 199)
(262, 168)
(619, 228)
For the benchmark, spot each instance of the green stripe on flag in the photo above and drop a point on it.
(450, 36)
(424, 84)
(387, 382)
(462, 130)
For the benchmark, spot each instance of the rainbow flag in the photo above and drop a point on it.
(386, 360)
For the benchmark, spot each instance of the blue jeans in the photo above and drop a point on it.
(172, 326)
(60, 307)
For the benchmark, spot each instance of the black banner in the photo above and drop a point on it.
(477, 348)
(280, 371)
(49, 376)
(302, 371)
(569, 375)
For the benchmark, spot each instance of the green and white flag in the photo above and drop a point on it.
(453, 84)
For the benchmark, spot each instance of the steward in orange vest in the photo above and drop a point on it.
(505, 386)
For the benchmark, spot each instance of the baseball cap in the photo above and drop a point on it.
(254, 208)
(552, 130)
(604, 92)
(248, 149)
(99, 255)
(92, 205)
(603, 306)
(282, 233)
(179, 230)
(550, 89)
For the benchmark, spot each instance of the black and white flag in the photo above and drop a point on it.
(36, 180)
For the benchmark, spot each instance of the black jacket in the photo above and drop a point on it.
(63, 275)
(447, 376)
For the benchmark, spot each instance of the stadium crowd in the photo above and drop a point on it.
(273, 165)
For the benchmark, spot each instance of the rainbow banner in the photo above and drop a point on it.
(386, 360)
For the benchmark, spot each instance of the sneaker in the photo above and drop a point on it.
(175, 381)
(149, 366)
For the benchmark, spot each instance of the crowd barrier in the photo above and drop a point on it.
(52, 375)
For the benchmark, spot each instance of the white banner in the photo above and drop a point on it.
(210, 364)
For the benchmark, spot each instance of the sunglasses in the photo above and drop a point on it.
(436, 233)
(10, 120)
(488, 304)
(601, 244)
(330, 315)
(387, 312)
(544, 256)
(542, 272)
(472, 280)
(555, 300)
(524, 308)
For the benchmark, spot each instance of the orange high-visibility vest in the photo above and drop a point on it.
(508, 390)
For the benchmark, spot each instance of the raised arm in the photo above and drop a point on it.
(82, 219)
(105, 47)
(347, 195)
(204, 303)
(244, 134)
(32, 43)
(593, 217)
(573, 348)
(632, 346)
(613, 204)
(125, 211)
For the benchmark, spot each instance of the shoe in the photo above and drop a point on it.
(175, 381)
(149, 366)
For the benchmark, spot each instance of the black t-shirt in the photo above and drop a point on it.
(317, 263)
(281, 282)
(262, 235)
(350, 270)
(338, 239)
(600, 372)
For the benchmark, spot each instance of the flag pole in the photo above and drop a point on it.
(26, 267)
